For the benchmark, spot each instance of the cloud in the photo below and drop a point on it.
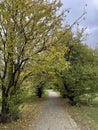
(95, 2)
(91, 21)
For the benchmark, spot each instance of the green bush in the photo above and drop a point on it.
(15, 104)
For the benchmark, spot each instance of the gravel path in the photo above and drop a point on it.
(53, 116)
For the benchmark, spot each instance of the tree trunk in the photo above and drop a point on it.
(72, 101)
(5, 113)
(63, 95)
(39, 92)
(69, 92)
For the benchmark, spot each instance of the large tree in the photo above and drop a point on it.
(27, 29)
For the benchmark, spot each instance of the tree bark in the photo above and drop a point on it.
(72, 101)
(69, 95)
(5, 113)
(39, 93)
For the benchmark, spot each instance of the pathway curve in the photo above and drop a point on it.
(53, 116)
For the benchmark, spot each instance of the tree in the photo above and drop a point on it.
(27, 30)
(81, 79)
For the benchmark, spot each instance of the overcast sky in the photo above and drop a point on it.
(91, 22)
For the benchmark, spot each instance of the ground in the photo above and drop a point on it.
(53, 116)
(51, 113)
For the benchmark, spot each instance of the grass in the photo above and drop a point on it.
(86, 114)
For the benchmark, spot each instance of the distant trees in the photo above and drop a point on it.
(80, 80)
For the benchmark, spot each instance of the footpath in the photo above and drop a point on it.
(53, 116)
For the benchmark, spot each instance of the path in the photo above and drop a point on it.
(53, 116)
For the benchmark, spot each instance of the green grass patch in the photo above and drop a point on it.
(87, 114)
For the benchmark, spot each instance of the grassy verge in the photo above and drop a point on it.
(86, 116)
(29, 114)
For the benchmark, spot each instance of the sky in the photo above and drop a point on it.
(91, 21)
